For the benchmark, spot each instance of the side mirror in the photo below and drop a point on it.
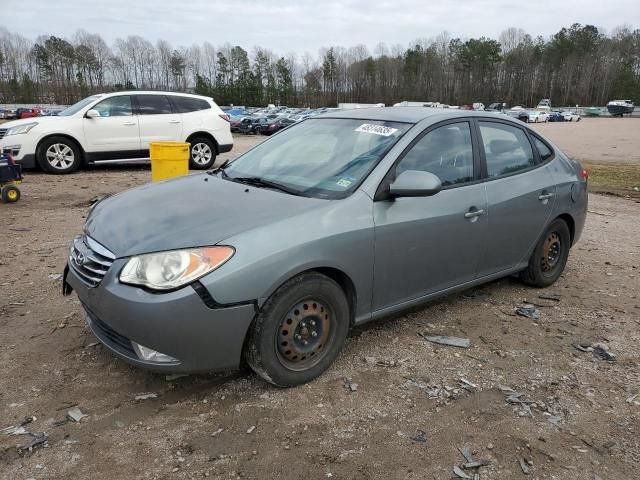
(92, 114)
(415, 183)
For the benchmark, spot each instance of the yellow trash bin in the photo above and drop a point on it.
(168, 160)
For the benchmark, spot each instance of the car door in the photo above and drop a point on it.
(520, 194)
(115, 132)
(158, 122)
(428, 244)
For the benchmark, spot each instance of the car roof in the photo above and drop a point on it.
(406, 114)
(154, 92)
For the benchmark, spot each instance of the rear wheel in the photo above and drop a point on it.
(549, 257)
(299, 332)
(58, 155)
(203, 154)
(10, 194)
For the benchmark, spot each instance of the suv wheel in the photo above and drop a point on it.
(203, 154)
(58, 155)
(299, 332)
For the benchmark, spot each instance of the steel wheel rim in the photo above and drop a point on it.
(551, 252)
(303, 334)
(60, 156)
(201, 153)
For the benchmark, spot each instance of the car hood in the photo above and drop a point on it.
(191, 211)
(24, 121)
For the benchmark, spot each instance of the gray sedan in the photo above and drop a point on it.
(338, 220)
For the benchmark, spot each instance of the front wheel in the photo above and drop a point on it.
(58, 155)
(299, 332)
(549, 256)
(203, 154)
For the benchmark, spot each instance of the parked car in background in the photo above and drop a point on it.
(278, 125)
(570, 116)
(496, 107)
(236, 122)
(555, 116)
(519, 114)
(333, 222)
(28, 112)
(537, 116)
(118, 127)
(254, 125)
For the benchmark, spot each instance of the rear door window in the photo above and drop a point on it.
(545, 152)
(153, 104)
(506, 149)
(189, 104)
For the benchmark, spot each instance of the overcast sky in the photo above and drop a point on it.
(306, 25)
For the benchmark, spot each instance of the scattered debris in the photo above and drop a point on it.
(37, 439)
(421, 437)
(632, 399)
(467, 385)
(476, 464)
(528, 311)
(460, 474)
(524, 466)
(55, 276)
(146, 396)
(447, 340)
(217, 432)
(583, 347)
(349, 385)
(466, 453)
(251, 429)
(513, 397)
(555, 298)
(601, 350)
(476, 295)
(75, 414)
(555, 420)
(19, 430)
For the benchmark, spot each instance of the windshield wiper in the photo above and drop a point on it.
(262, 183)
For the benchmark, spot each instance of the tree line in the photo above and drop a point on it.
(579, 64)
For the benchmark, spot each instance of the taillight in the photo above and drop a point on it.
(584, 174)
(225, 117)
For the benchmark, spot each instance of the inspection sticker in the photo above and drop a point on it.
(376, 129)
(343, 182)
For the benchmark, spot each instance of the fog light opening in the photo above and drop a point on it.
(149, 355)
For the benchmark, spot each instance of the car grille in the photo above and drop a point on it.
(89, 260)
(3, 132)
(110, 337)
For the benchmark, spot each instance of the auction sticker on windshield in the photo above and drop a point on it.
(376, 129)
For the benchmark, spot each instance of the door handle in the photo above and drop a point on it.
(473, 213)
(174, 121)
(129, 123)
(545, 196)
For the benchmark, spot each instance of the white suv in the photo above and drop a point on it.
(118, 127)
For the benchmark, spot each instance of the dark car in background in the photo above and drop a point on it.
(278, 125)
(555, 116)
(521, 115)
(255, 125)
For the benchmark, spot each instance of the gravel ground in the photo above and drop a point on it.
(393, 406)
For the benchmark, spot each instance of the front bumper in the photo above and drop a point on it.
(21, 148)
(179, 324)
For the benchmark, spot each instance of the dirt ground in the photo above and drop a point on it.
(404, 410)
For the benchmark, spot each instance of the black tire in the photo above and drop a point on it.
(59, 155)
(274, 348)
(10, 194)
(549, 256)
(202, 153)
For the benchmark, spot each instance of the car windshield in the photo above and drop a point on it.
(76, 107)
(322, 157)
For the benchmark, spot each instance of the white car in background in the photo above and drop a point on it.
(118, 127)
(570, 116)
(537, 116)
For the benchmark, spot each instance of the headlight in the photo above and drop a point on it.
(173, 269)
(21, 129)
